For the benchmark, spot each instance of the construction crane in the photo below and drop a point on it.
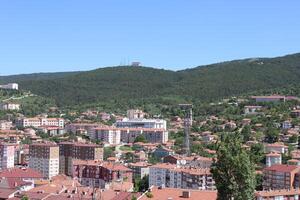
(188, 119)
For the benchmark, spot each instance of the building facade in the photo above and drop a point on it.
(44, 157)
(69, 151)
(173, 176)
(39, 121)
(7, 156)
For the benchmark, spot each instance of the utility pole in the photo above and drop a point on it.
(188, 119)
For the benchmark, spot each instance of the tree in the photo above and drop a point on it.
(271, 135)
(233, 171)
(140, 138)
(141, 185)
(246, 133)
(257, 153)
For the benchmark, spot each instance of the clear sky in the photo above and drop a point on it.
(69, 35)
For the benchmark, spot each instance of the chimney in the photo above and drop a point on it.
(186, 194)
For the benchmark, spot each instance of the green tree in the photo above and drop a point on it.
(271, 134)
(140, 138)
(246, 133)
(233, 170)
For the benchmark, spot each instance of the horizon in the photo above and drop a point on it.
(60, 36)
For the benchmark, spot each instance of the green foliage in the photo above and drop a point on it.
(246, 133)
(233, 171)
(271, 134)
(257, 153)
(149, 195)
(119, 88)
(108, 152)
(141, 185)
(140, 138)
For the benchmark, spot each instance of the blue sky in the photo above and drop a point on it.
(69, 35)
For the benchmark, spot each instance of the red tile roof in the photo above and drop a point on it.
(282, 168)
(20, 173)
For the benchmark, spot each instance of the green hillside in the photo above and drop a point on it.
(126, 84)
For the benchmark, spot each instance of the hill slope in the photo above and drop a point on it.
(123, 84)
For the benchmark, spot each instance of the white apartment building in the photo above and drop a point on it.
(173, 176)
(7, 156)
(142, 123)
(38, 122)
(44, 157)
(10, 86)
(110, 135)
(114, 135)
(9, 106)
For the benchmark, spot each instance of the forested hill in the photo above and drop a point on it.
(132, 84)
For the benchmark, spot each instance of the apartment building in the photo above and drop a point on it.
(44, 157)
(40, 121)
(141, 123)
(7, 156)
(80, 127)
(9, 106)
(173, 176)
(114, 135)
(280, 177)
(10, 86)
(69, 151)
(95, 173)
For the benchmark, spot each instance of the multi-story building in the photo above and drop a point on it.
(173, 176)
(280, 177)
(80, 127)
(114, 135)
(252, 109)
(7, 155)
(10, 86)
(142, 123)
(40, 121)
(44, 157)
(69, 151)
(273, 158)
(95, 173)
(9, 106)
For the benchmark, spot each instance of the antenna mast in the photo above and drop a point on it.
(188, 119)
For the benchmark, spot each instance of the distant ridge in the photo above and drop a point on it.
(139, 84)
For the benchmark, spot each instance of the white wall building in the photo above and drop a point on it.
(10, 86)
(38, 122)
(5, 125)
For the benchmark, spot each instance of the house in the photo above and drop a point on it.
(276, 147)
(162, 152)
(9, 106)
(272, 98)
(248, 110)
(273, 158)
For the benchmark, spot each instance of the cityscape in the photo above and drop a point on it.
(149, 100)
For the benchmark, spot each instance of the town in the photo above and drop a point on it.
(96, 154)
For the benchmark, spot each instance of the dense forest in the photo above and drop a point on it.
(139, 85)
